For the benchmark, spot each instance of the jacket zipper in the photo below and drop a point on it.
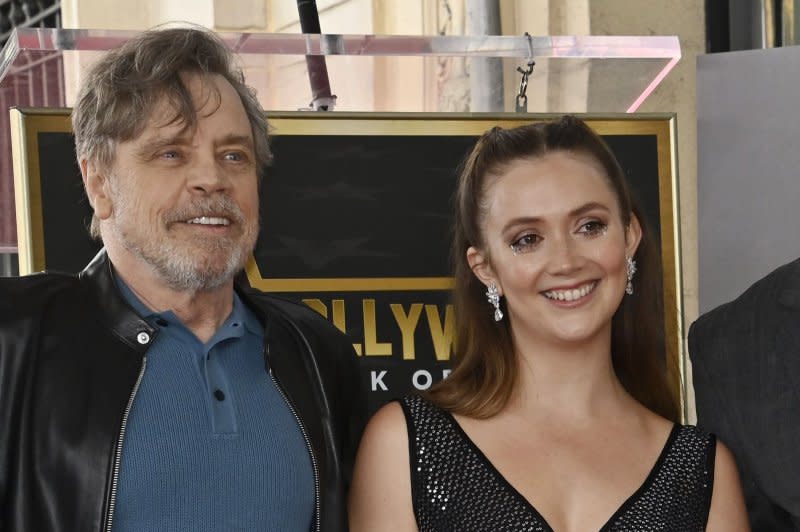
(310, 450)
(118, 455)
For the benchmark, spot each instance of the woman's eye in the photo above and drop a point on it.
(525, 243)
(593, 228)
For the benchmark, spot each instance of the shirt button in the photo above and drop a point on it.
(143, 338)
(161, 322)
(220, 396)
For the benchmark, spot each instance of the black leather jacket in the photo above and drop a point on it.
(71, 355)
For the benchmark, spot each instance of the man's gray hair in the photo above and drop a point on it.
(121, 91)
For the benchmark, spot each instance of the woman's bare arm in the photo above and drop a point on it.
(728, 512)
(380, 495)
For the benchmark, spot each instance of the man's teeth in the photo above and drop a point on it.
(209, 220)
(571, 295)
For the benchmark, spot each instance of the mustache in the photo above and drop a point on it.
(217, 206)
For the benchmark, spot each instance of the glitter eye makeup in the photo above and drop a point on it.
(593, 228)
(525, 243)
(530, 241)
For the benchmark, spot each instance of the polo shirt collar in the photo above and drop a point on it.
(240, 319)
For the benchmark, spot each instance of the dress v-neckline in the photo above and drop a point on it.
(622, 508)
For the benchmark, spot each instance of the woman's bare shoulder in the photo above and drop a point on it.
(380, 495)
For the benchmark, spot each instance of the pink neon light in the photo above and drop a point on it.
(653, 84)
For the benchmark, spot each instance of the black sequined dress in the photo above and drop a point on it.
(455, 488)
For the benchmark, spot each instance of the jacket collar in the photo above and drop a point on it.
(790, 295)
(121, 318)
(116, 314)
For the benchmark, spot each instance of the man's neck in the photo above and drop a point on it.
(202, 312)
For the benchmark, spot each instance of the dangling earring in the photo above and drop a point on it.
(493, 295)
(631, 267)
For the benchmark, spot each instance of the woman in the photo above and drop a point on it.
(557, 415)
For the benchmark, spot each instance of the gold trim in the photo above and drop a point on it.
(437, 124)
(768, 24)
(671, 258)
(788, 22)
(345, 284)
(26, 124)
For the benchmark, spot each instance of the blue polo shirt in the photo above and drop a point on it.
(211, 444)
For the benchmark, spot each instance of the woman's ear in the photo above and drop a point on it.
(480, 266)
(633, 236)
(96, 184)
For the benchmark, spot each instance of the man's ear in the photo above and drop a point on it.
(95, 181)
(633, 235)
(480, 266)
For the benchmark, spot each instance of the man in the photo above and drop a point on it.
(746, 365)
(151, 391)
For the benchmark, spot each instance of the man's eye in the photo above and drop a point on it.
(234, 156)
(593, 228)
(525, 244)
(169, 154)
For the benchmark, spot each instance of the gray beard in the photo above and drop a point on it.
(181, 267)
(185, 273)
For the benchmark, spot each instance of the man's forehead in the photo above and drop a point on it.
(211, 94)
(166, 122)
(182, 133)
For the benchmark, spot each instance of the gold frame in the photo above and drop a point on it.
(27, 123)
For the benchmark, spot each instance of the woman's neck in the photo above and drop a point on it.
(568, 380)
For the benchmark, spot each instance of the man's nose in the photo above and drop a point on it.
(206, 176)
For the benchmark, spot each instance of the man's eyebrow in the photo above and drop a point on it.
(156, 143)
(244, 140)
